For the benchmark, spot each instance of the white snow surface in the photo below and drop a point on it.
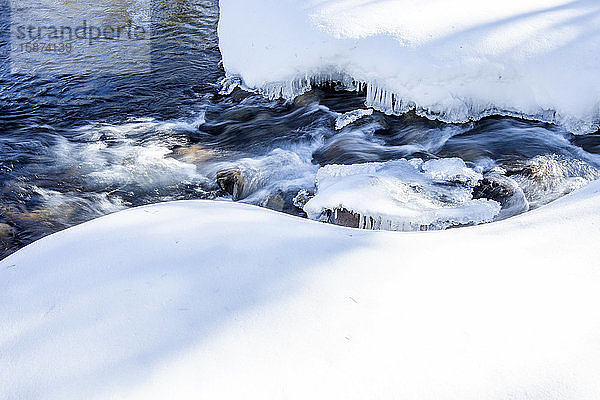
(218, 300)
(450, 60)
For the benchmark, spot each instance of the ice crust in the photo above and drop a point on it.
(345, 119)
(453, 61)
(402, 195)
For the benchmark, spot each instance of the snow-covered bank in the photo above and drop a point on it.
(205, 299)
(453, 61)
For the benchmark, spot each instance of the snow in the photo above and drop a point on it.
(453, 61)
(204, 299)
(402, 195)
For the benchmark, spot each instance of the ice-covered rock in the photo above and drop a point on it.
(401, 195)
(504, 190)
(255, 179)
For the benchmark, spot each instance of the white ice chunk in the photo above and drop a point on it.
(402, 195)
(350, 117)
(452, 170)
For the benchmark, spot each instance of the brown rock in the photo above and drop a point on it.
(6, 231)
(343, 217)
(276, 202)
(194, 154)
(308, 98)
(231, 181)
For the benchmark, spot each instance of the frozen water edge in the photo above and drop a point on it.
(392, 103)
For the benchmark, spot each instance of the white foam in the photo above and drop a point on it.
(262, 176)
(551, 177)
(92, 204)
(135, 153)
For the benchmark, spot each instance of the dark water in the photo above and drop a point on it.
(77, 146)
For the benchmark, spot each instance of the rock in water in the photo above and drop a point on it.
(194, 154)
(308, 98)
(232, 182)
(275, 202)
(6, 231)
(302, 198)
(504, 190)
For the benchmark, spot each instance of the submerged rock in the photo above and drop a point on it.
(6, 232)
(194, 154)
(308, 98)
(546, 178)
(52, 215)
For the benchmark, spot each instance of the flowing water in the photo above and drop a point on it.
(76, 146)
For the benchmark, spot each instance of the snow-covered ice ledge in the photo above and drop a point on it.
(449, 60)
(221, 300)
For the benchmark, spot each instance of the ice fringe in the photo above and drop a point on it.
(391, 103)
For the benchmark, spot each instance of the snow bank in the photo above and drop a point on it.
(453, 61)
(402, 195)
(204, 299)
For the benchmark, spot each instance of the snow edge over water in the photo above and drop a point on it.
(390, 102)
(527, 60)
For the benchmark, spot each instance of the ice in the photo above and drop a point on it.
(402, 195)
(453, 61)
(505, 190)
(451, 170)
(350, 117)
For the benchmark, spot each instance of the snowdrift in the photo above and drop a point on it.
(204, 299)
(453, 61)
